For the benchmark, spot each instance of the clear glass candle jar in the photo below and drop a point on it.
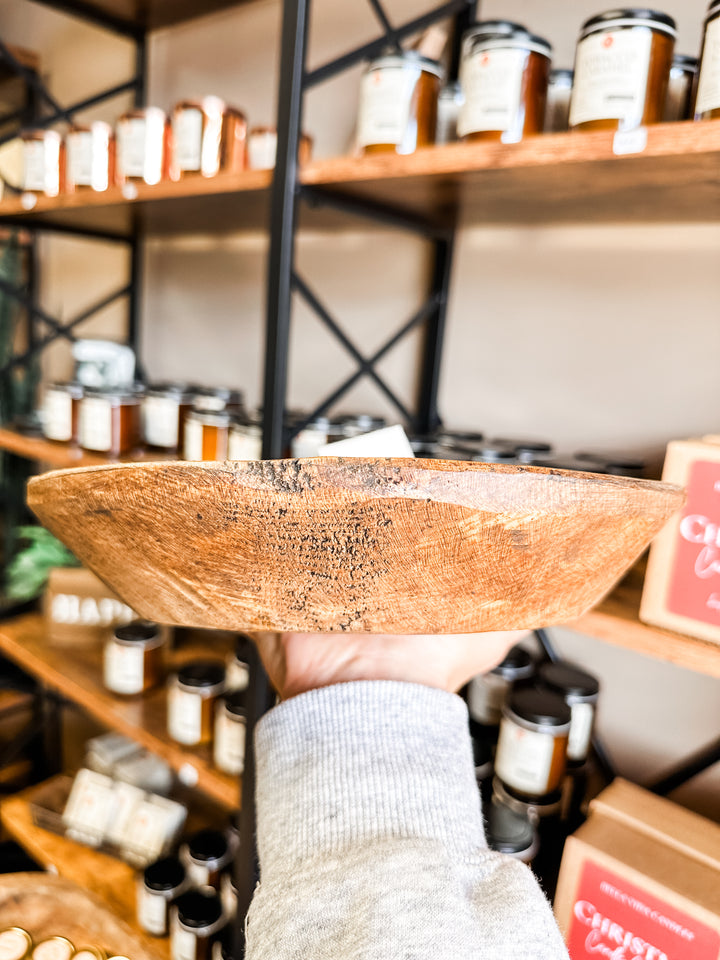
(90, 157)
(504, 77)
(143, 140)
(707, 101)
(208, 137)
(109, 421)
(230, 728)
(450, 100)
(532, 746)
(262, 148)
(206, 854)
(61, 412)
(557, 107)
(133, 658)
(43, 154)
(164, 410)
(245, 440)
(53, 948)
(580, 691)
(237, 667)
(487, 692)
(192, 695)
(196, 917)
(681, 88)
(397, 112)
(622, 68)
(15, 944)
(160, 884)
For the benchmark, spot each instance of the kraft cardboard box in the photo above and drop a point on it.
(641, 881)
(682, 584)
(79, 608)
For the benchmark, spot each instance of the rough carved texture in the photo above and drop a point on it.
(375, 546)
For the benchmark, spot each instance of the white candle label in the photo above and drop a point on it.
(34, 154)
(492, 81)
(197, 874)
(131, 147)
(262, 148)
(80, 158)
(161, 422)
(307, 443)
(626, 142)
(57, 415)
(13, 945)
(184, 716)
(124, 668)
(237, 675)
(385, 98)
(193, 440)
(524, 758)
(611, 72)
(152, 912)
(187, 136)
(183, 944)
(95, 424)
(244, 447)
(708, 95)
(90, 805)
(581, 722)
(229, 748)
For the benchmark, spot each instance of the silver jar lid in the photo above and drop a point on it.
(630, 17)
(408, 58)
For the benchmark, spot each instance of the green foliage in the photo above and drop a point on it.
(29, 569)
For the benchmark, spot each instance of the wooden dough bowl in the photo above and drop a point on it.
(369, 546)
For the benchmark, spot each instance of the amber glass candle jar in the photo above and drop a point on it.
(532, 747)
(90, 158)
(504, 77)
(622, 68)
(191, 701)
(43, 162)
(109, 421)
(707, 103)
(61, 412)
(207, 435)
(681, 88)
(580, 691)
(262, 148)
(143, 141)
(208, 138)
(397, 112)
(133, 661)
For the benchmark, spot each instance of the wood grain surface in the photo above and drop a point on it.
(375, 546)
(46, 906)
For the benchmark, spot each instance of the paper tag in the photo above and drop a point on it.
(630, 141)
(708, 94)
(385, 98)
(492, 81)
(184, 716)
(611, 77)
(388, 442)
(187, 126)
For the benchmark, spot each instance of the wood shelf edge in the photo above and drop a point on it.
(63, 455)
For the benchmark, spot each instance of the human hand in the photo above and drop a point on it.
(298, 662)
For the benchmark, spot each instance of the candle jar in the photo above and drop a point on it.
(90, 157)
(230, 727)
(681, 88)
(191, 701)
(580, 692)
(143, 140)
(161, 883)
(504, 77)
(53, 948)
(397, 112)
(510, 832)
(61, 412)
(205, 855)
(532, 746)
(262, 148)
(133, 659)
(43, 162)
(450, 100)
(487, 692)
(245, 440)
(109, 421)
(207, 435)
(208, 138)
(622, 68)
(164, 410)
(15, 943)
(307, 442)
(707, 101)
(195, 918)
(557, 108)
(237, 668)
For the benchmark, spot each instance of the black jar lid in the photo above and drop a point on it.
(517, 665)
(539, 706)
(630, 16)
(569, 680)
(524, 446)
(137, 631)
(236, 703)
(199, 908)
(201, 673)
(165, 874)
(508, 831)
(208, 845)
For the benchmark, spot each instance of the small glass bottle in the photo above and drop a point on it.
(191, 701)
(208, 137)
(488, 692)
(206, 854)
(43, 162)
(90, 157)
(143, 139)
(532, 746)
(15, 944)
(110, 421)
(230, 730)
(61, 412)
(133, 660)
(161, 883)
(580, 692)
(196, 917)
(53, 948)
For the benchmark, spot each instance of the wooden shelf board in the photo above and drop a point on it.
(616, 620)
(61, 455)
(76, 673)
(150, 14)
(111, 879)
(553, 178)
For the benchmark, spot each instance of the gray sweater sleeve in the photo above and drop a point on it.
(371, 840)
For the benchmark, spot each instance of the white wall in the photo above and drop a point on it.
(583, 335)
